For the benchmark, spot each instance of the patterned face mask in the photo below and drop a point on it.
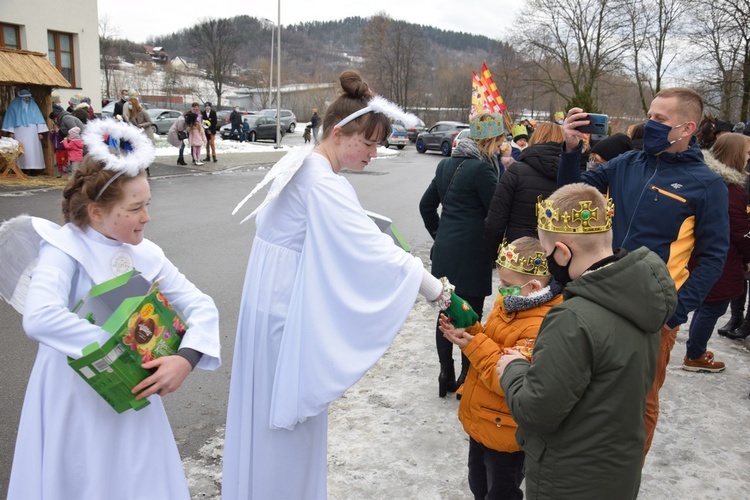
(505, 291)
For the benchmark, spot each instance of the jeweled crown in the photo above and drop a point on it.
(509, 258)
(549, 218)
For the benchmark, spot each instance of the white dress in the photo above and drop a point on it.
(325, 294)
(71, 444)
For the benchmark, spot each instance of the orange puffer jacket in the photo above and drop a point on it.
(483, 410)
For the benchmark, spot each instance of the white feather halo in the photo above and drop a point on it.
(382, 105)
(130, 163)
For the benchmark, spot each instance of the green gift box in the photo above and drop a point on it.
(143, 327)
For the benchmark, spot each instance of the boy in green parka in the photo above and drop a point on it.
(579, 404)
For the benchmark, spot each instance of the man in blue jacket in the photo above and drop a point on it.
(668, 200)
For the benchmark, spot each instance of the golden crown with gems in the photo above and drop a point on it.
(509, 258)
(549, 218)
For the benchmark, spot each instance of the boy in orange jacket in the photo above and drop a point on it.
(525, 297)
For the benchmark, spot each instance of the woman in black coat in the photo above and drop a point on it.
(463, 185)
(512, 211)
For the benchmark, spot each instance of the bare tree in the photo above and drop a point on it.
(719, 42)
(393, 53)
(215, 43)
(652, 26)
(107, 35)
(580, 37)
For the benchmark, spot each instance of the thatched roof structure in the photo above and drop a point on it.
(23, 67)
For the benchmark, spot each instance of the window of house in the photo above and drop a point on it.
(60, 46)
(10, 36)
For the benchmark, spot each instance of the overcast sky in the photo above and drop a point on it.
(139, 19)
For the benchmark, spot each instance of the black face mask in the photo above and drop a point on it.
(560, 273)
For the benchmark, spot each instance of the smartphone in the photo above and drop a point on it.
(598, 124)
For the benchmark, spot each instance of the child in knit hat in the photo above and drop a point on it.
(74, 145)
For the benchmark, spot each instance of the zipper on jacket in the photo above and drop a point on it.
(638, 205)
(658, 191)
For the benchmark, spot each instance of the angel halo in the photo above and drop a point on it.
(121, 147)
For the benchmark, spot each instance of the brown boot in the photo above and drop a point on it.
(705, 363)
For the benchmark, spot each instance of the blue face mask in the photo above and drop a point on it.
(656, 137)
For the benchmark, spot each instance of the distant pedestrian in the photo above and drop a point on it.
(74, 145)
(61, 154)
(121, 103)
(209, 127)
(235, 118)
(176, 136)
(306, 134)
(315, 124)
(196, 137)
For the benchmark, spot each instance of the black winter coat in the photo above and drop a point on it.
(512, 212)
(458, 252)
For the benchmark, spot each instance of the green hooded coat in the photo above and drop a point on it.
(580, 404)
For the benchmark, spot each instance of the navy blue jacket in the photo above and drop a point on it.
(674, 205)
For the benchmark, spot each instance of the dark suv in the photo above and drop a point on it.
(439, 137)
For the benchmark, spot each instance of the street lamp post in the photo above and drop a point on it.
(270, 72)
(278, 79)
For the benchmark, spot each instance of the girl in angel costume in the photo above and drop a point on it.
(325, 294)
(71, 443)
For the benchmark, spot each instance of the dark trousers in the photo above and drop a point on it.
(494, 475)
(702, 326)
(445, 346)
(181, 156)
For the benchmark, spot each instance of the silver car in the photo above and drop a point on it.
(288, 119)
(162, 119)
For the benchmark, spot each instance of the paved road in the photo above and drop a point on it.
(192, 223)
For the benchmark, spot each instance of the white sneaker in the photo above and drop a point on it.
(199, 163)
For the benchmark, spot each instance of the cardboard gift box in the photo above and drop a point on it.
(144, 326)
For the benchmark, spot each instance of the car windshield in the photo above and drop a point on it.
(268, 112)
(398, 128)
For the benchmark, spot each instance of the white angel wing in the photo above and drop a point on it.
(19, 252)
(284, 170)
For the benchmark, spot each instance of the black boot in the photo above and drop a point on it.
(734, 322)
(181, 161)
(742, 332)
(446, 379)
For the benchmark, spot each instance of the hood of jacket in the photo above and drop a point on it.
(637, 287)
(730, 175)
(543, 158)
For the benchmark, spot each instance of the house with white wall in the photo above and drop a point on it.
(67, 32)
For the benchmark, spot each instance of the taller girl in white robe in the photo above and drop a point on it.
(325, 294)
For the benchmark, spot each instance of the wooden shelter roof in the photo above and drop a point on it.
(23, 67)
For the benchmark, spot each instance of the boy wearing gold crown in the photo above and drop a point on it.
(579, 404)
(525, 297)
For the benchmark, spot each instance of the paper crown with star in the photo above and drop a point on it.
(549, 217)
(509, 258)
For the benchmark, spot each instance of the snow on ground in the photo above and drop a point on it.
(391, 436)
(163, 148)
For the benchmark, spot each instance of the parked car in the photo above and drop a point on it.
(464, 133)
(288, 119)
(397, 138)
(440, 137)
(414, 131)
(261, 127)
(223, 116)
(162, 119)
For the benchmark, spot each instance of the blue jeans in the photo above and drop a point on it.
(702, 326)
(181, 157)
(494, 475)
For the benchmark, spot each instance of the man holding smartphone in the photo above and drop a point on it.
(669, 201)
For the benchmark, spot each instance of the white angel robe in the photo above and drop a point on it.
(71, 444)
(325, 294)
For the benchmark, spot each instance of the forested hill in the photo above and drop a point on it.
(314, 49)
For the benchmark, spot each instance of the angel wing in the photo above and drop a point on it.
(283, 171)
(19, 252)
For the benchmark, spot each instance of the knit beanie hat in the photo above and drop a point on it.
(738, 128)
(613, 146)
(520, 132)
(56, 109)
(74, 133)
(723, 126)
